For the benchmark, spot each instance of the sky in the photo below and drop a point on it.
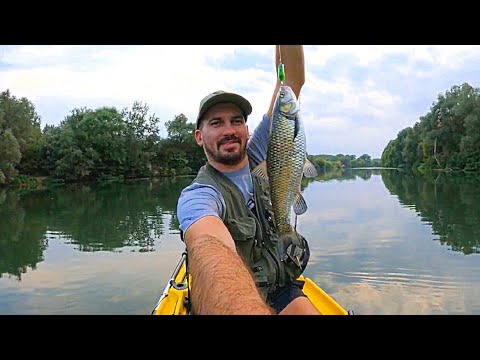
(356, 98)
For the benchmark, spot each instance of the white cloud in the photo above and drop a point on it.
(360, 95)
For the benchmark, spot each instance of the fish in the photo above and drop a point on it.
(286, 162)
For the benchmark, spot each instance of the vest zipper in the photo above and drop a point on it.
(280, 271)
(278, 279)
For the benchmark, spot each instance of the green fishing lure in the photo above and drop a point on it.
(281, 73)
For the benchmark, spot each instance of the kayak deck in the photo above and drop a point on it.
(173, 300)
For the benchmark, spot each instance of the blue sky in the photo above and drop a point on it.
(356, 98)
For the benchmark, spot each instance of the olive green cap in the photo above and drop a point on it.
(221, 96)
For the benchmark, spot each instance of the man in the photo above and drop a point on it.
(232, 252)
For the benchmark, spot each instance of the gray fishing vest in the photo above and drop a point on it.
(273, 261)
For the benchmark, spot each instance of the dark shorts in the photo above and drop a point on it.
(281, 297)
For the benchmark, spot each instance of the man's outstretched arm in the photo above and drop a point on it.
(222, 284)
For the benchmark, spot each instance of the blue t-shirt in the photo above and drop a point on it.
(198, 200)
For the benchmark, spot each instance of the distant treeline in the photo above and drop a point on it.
(107, 143)
(447, 138)
(325, 162)
(91, 145)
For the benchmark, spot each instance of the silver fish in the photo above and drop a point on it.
(286, 161)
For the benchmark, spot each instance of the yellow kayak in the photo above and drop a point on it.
(173, 300)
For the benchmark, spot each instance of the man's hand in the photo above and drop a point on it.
(294, 64)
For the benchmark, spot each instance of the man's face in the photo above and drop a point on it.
(223, 134)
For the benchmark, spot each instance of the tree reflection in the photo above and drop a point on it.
(22, 239)
(449, 202)
(105, 217)
(341, 175)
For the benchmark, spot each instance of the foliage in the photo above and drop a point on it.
(106, 144)
(20, 137)
(444, 138)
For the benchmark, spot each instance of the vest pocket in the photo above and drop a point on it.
(241, 229)
(264, 268)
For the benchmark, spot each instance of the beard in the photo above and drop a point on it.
(227, 157)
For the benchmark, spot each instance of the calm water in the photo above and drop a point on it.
(382, 243)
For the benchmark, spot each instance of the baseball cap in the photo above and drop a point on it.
(221, 96)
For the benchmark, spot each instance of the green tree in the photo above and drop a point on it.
(444, 138)
(9, 156)
(88, 145)
(142, 140)
(18, 116)
(179, 153)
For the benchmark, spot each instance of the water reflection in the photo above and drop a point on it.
(450, 203)
(370, 233)
(136, 214)
(21, 236)
(105, 217)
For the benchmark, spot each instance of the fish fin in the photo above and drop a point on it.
(297, 128)
(261, 170)
(299, 204)
(309, 169)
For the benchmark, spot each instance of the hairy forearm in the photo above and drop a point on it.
(221, 283)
